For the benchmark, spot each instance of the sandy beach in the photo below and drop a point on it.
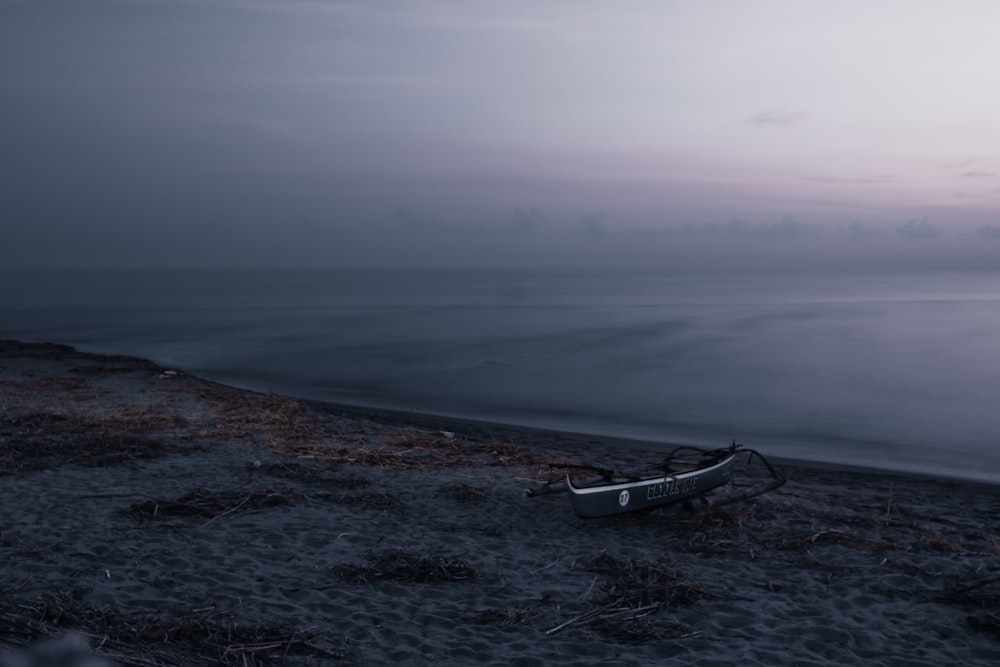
(161, 519)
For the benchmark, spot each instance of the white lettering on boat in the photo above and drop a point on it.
(623, 498)
(671, 487)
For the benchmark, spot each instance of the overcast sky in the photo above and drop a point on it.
(330, 132)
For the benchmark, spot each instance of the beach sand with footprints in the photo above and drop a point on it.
(155, 518)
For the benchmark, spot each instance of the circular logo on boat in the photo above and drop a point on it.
(623, 498)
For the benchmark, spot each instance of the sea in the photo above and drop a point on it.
(898, 370)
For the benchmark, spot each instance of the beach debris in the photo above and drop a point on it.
(462, 493)
(303, 472)
(201, 413)
(804, 540)
(417, 450)
(634, 628)
(216, 504)
(985, 622)
(41, 440)
(982, 592)
(503, 618)
(642, 583)
(704, 502)
(211, 504)
(173, 637)
(371, 500)
(400, 565)
(636, 590)
(982, 595)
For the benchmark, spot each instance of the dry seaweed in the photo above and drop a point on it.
(198, 636)
(981, 595)
(294, 470)
(416, 451)
(474, 528)
(369, 500)
(58, 383)
(348, 482)
(137, 418)
(636, 629)
(803, 540)
(982, 592)
(399, 565)
(38, 441)
(635, 590)
(986, 623)
(186, 408)
(503, 618)
(211, 504)
(462, 493)
(643, 583)
(239, 415)
(206, 504)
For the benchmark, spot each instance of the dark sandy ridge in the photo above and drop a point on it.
(175, 521)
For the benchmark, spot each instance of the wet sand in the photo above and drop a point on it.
(168, 520)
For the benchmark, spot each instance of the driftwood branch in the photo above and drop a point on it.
(699, 503)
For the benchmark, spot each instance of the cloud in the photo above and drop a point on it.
(785, 228)
(780, 117)
(989, 232)
(978, 174)
(970, 161)
(405, 219)
(918, 230)
(594, 225)
(962, 163)
(860, 231)
(855, 180)
(526, 220)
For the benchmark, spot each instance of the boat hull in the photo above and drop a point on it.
(632, 495)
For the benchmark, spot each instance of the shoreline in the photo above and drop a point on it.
(565, 437)
(500, 430)
(845, 452)
(174, 521)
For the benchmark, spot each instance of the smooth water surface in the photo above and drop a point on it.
(895, 370)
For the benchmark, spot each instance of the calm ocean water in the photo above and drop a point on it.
(894, 370)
